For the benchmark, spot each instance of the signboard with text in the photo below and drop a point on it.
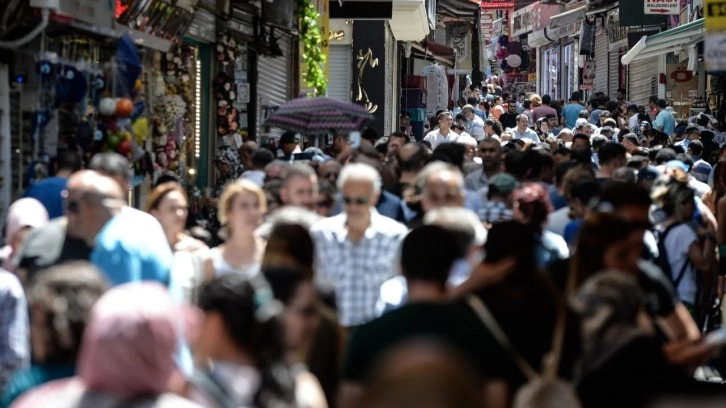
(715, 14)
(714, 50)
(662, 7)
(497, 4)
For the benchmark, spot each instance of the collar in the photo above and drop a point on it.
(341, 231)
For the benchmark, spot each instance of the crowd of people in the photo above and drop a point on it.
(519, 255)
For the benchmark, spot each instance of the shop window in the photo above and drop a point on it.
(550, 68)
(569, 69)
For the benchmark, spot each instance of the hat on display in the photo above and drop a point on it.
(71, 86)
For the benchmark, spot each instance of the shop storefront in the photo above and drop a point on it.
(560, 62)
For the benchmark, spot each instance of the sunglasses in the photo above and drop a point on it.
(330, 175)
(357, 200)
(73, 206)
(484, 150)
(324, 203)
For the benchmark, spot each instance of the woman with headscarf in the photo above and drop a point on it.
(23, 215)
(227, 163)
(126, 356)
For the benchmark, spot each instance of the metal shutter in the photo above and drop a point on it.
(274, 84)
(614, 71)
(340, 62)
(601, 60)
(643, 80)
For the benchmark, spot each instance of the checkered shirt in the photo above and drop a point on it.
(357, 271)
(14, 342)
(495, 211)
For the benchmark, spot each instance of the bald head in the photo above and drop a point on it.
(91, 200)
(90, 182)
(442, 185)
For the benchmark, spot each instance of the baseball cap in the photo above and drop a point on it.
(289, 137)
(504, 183)
(677, 164)
(649, 173)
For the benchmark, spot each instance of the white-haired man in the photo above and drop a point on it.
(357, 250)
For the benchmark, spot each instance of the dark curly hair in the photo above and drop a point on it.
(60, 300)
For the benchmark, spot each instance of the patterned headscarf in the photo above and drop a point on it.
(227, 155)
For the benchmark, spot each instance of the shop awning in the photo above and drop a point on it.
(409, 21)
(459, 8)
(435, 51)
(568, 17)
(539, 38)
(668, 41)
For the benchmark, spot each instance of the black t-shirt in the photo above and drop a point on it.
(48, 246)
(454, 324)
(508, 120)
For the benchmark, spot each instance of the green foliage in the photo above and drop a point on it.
(312, 42)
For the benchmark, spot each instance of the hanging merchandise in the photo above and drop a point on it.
(173, 98)
(514, 60)
(437, 89)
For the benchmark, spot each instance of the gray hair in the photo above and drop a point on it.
(360, 172)
(438, 167)
(460, 221)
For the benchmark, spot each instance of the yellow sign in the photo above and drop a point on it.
(715, 14)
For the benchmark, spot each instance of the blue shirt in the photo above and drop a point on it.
(48, 192)
(132, 247)
(571, 112)
(666, 120)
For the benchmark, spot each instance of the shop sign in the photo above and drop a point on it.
(522, 20)
(662, 7)
(715, 14)
(497, 4)
(588, 76)
(542, 14)
(99, 13)
(714, 51)
(243, 93)
(487, 25)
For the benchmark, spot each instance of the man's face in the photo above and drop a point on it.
(300, 191)
(445, 122)
(441, 190)
(522, 123)
(405, 120)
(78, 212)
(512, 107)
(620, 96)
(695, 135)
(395, 143)
(585, 130)
(490, 154)
(552, 123)
(579, 144)
(358, 198)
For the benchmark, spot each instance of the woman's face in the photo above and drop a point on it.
(244, 214)
(544, 126)
(172, 212)
(624, 255)
(301, 317)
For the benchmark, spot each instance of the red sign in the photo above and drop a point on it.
(497, 4)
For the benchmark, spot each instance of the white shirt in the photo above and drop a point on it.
(436, 138)
(475, 127)
(677, 243)
(527, 134)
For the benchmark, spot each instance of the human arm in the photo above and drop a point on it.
(485, 274)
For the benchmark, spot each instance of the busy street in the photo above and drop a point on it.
(362, 203)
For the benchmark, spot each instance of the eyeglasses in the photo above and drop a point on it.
(356, 200)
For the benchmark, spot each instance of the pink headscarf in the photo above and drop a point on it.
(129, 341)
(25, 212)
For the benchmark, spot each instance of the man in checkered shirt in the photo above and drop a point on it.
(357, 250)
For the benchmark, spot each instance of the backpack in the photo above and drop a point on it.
(543, 390)
(664, 263)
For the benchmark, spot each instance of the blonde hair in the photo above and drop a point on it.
(536, 100)
(234, 189)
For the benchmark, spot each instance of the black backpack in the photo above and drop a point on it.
(664, 263)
